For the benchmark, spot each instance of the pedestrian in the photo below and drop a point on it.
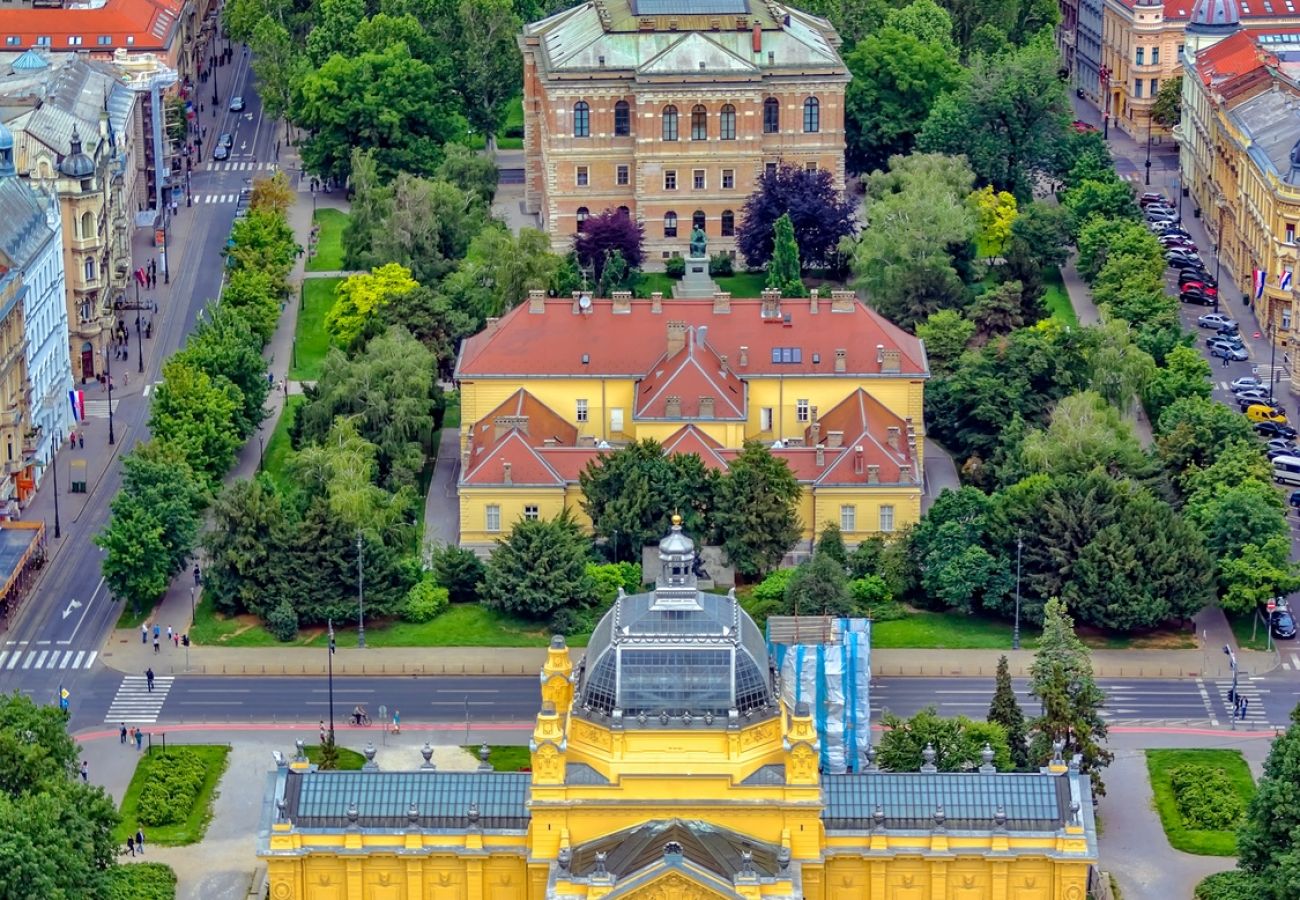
(122, 734)
(198, 576)
(139, 738)
(148, 678)
(81, 439)
(126, 379)
(169, 633)
(1245, 705)
(1225, 362)
(157, 630)
(85, 773)
(130, 845)
(397, 722)
(322, 731)
(139, 839)
(176, 639)
(155, 645)
(144, 632)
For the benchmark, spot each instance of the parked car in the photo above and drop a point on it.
(1223, 340)
(1225, 351)
(1245, 401)
(220, 152)
(1202, 277)
(1083, 127)
(1262, 412)
(1177, 242)
(1208, 289)
(1215, 320)
(1282, 623)
(1281, 444)
(1192, 295)
(1275, 430)
(1151, 197)
(236, 104)
(1273, 454)
(1178, 261)
(1247, 382)
(1295, 497)
(226, 139)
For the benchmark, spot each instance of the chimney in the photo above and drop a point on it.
(706, 407)
(771, 308)
(656, 302)
(814, 301)
(757, 38)
(676, 337)
(673, 408)
(503, 424)
(622, 302)
(536, 302)
(841, 360)
(891, 361)
(722, 358)
(821, 457)
(744, 356)
(892, 435)
(815, 428)
(506, 477)
(857, 460)
(721, 302)
(873, 474)
(842, 301)
(835, 439)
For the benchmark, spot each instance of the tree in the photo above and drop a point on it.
(58, 839)
(273, 194)
(359, 298)
(251, 531)
(820, 216)
(499, 270)
(958, 743)
(474, 173)
(995, 216)
(277, 65)
(1185, 374)
(264, 242)
(459, 571)
(1267, 845)
(946, 334)
(371, 206)
(1008, 118)
(1119, 368)
(540, 568)
(157, 477)
(957, 571)
(1085, 433)
(818, 587)
(611, 230)
(1168, 108)
(428, 227)
(199, 416)
(1005, 711)
(998, 311)
(925, 20)
(1101, 239)
(853, 19)
(756, 510)
(1193, 431)
(1061, 678)
(831, 542)
(224, 346)
(1256, 575)
(255, 298)
(897, 77)
(136, 565)
(1110, 199)
(335, 29)
(783, 270)
(488, 70)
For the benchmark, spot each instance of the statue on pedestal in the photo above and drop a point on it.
(699, 244)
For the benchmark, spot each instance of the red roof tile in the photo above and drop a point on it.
(556, 341)
(689, 439)
(150, 25)
(487, 465)
(532, 417)
(568, 462)
(690, 374)
(1235, 55)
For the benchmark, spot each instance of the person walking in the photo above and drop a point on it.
(148, 678)
(85, 772)
(1245, 705)
(139, 839)
(322, 731)
(130, 845)
(169, 634)
(139, 738)
(81, 440)
(176, 640)
(144, 633)
(155, 644)
(198, 576)
(157, 630)
(122, 733)
(397, 722)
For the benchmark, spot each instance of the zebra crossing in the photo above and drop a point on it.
(1255, 712)
(98, 409)
(135, 704)
(17, 660)
(236, 166)
(210, 199)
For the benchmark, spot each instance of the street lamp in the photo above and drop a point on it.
(139, 339)
(1103, 78)
(108, 376)
(1218, 259)
(361, 604)
(1232, 694)
(167, 275)
(1015, 631)
(1148, 163)
(54, 464)
(331, 678)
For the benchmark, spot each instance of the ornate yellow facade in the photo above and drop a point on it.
(665, 767)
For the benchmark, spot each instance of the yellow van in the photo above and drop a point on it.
(1260, 412)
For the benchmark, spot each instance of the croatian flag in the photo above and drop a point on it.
(1259, 283)
(1284, 280)
(77, 400)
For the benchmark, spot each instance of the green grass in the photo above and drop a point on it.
(213, 629)
(949, 631)
(514, 114)
(133, 618)
(743, 284)
(1203, 843)
(329, 243)
(349, 760)
(649, 282)
(311, 341)
(141, 881)
(1246, 626)
(278, 447)
(214, 758)
(505, 759)
(1055, 298)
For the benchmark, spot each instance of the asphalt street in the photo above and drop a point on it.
(70, 613)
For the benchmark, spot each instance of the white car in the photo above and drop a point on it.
(1247, 383)
(1214, 320)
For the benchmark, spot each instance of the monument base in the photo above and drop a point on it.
(696, 283)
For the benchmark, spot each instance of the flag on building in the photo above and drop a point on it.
(1259, 283)
(77, 400)
(1284, 280)
(140, 277)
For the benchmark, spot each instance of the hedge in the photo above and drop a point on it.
(1231, 885)
(141, 881)
(1217, 770)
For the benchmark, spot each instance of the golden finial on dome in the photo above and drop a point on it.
(677, 520)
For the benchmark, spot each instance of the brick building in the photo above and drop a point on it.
(672, 110)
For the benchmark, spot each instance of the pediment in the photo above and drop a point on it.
(672, 883)
(695, 53)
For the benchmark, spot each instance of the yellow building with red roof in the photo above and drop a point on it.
(833, 388)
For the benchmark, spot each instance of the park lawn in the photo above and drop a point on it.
(133, 618)
(311, 340)
(278, 448)
(743, 284)
(190, 831)
(329, 242)
(349, 760)
(211, 628)
(1189, 840)
(948, 631)
(1055, 299)
(1251, 632)
(649, 282)
(505, 758)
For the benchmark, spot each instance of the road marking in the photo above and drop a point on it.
(90, 660)
(1205, 699)
(1295, 659)
(3, 654)
(1286, 666)
(13, 661)
(135, 703)
(76, 663)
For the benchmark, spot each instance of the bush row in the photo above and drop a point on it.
(141, 881)
(173, 786)
(1206, 798)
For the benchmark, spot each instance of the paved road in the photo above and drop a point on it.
(52, 641)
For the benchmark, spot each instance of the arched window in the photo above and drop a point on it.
(697, 220)
(90, 268)
(583, 212)
(624, 211)
(728, 223)
(87, 225)
(670, 123)
(622, 119)
(670, 224)
(727, 123)
(812, 115)
(581, 119)
(771, 115)
(699, 123)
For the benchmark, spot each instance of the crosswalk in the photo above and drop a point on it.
(20, 658)
(1255, 712)
(135, 704)
(236, 166)
(210, 199)
(98, 409)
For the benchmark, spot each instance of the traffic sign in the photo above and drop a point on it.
(1272, 605)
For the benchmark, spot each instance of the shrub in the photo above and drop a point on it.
(426, 600)
(169, 795)
(870, 592)
(1231, 885)
(721, 265)
(282, 621)
(675, 267)
(141, 881)
(612, 576)
(1206, 798)
(772, 588)
(460, 571)
(566, 621)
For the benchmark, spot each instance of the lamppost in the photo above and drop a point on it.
(1103, 77)
(167, 275)
(139, 340)
(1148, 163)
(1218, 259)
(1232, 694)
(186, 642)
(54, 464)
(1015, 630)
(361, 604)
(108, 376)
(331, 678)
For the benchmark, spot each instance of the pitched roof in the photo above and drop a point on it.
(23, 226)
(691, 374)
(558, 341)
(134, 24)
(689, 439)
(317, 799)
(1235, 55)
(487, 464)
(537, 421)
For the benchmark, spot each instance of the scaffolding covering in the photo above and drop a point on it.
(826, 662)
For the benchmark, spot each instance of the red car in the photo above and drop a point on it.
(1200, 286)
(1083, 127)
(1148, 198)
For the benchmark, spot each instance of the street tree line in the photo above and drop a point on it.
(209, 403)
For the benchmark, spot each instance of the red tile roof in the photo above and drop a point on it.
(689, 439)
(690, 374)
(1235, 55)
(133, 24)
(533, 417)
(487, 465)
(557, 340)
(1181, 10)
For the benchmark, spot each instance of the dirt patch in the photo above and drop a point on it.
(1162, 639)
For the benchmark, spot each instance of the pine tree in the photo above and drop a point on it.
(1268, 844)
(783, 271)
(1005, 711)
(756, 511)
(1061, 678)
(831, 542)
(539, 568)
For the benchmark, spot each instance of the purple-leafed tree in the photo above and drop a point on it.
(819, 213)
(612, 229)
